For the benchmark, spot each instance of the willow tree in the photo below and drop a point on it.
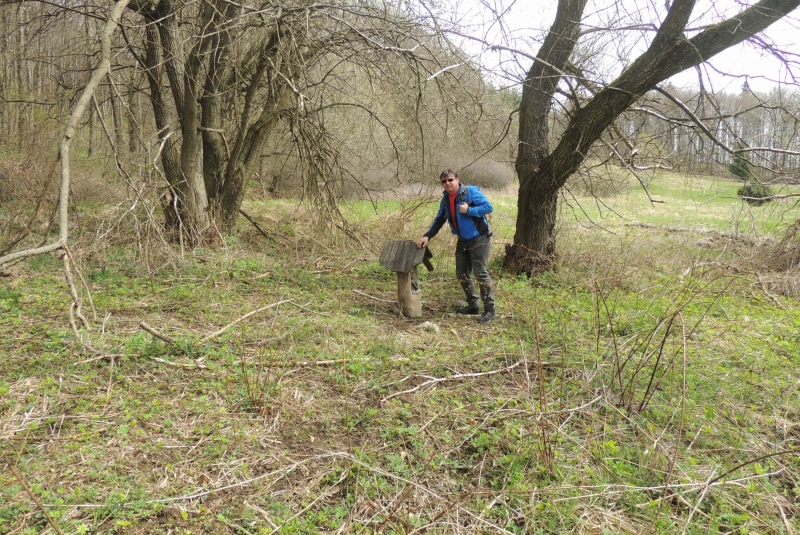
(543, 172)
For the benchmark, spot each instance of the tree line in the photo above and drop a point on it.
(197, 99)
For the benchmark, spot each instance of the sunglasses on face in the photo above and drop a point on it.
(446, 180)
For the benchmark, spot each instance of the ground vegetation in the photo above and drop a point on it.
(269, 386)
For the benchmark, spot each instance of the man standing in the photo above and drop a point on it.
(465, 209)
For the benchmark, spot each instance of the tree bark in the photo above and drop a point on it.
(169, 156)
(214, 152)
(669, 54)
(534, 241)
(246, 153)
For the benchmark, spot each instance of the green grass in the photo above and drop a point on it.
(649, 381)
(690, 202)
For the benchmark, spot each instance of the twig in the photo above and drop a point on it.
(789, 530)
(102, 356)
(25, 486)
(303, 307)
(180, 364)
(493, 527)
(751, 461)
(242, 318)
(328, 492)
(233, 526)
(84, 284)
(375, 298)
(456, 377)
(314, 362)
(282, 471)
(157, 334)
(674, 459)
(768, 294)
(67, 257)
(696, 507)
(263, 513)
(545, 445)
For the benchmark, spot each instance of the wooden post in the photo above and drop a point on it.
(402, 257)
(409, 294)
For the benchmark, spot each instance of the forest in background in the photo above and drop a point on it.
(384, 135)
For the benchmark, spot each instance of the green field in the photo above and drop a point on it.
(648, 385)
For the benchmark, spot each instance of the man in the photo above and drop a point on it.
(465, 209)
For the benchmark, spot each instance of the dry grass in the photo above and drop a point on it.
(357, 420)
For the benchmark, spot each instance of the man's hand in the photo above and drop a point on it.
(422, 242)
(463, 207)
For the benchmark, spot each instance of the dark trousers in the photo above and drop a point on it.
(472, 258)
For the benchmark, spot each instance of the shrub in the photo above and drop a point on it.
(488, 174)
(755, 194)
(23, 181)
(740, 168)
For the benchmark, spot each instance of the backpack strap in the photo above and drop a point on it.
(463, 195)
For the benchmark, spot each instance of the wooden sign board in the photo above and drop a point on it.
(403, 257)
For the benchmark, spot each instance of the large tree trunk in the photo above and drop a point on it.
(538, 231)
(669, 54)
(214, 154)
(170, 158)
(533, 249)
(253, 131)
(207, 183)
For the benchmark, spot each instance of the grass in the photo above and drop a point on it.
(694, 203)
(648, 385)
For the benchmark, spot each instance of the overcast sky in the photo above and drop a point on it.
(523, 23)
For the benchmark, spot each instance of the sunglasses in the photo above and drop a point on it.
(446, 180)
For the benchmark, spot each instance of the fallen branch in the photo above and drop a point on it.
(315, 362)
(375, 298)
(457, 377)
(196, 364)
(786, 524)
(157, 334)
(261, 229)
(303, 307)
(69, 134)
(25, 486)
(767, 293)
(242, 318)
(101, 356)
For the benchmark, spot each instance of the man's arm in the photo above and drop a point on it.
(479, 204)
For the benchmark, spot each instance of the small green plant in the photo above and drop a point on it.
(740, 168)
(755, 194)
(261, 376)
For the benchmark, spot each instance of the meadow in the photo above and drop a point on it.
(266, 384)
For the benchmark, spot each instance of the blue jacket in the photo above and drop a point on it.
(470, 225)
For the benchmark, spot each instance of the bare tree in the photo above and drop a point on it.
(543, 172)
(225, 78)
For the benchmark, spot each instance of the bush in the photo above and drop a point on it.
(488, 174)
(740, 168)
(23, 181)
(755, 194)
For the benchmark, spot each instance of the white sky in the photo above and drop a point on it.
(523, 23)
